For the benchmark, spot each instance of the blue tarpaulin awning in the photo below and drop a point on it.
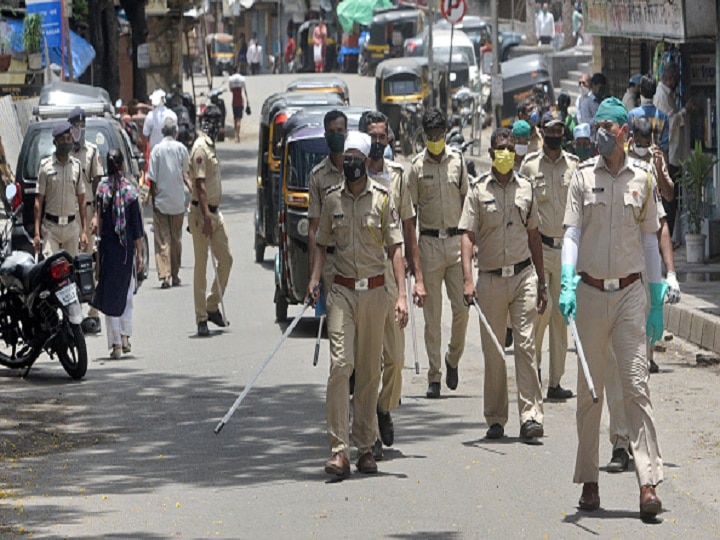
(82, 52)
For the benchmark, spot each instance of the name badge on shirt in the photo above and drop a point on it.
(336, 216)
(427, 176)
(598, 190)
(491, 201)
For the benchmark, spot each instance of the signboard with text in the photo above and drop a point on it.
(51, 13)
(636, 18)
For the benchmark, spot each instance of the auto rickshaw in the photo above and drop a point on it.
(303, 144)
(220, 52)
(305, 54)
(321, 84)
(388, 31)
(519, 76)
(274, 113)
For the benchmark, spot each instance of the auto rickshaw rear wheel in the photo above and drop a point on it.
(259, 252)
(281, 308)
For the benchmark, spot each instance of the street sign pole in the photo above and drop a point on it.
(496, 94)
(431, 5)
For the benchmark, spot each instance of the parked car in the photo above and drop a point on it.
(461, 45)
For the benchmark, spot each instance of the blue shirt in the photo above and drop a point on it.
(658, 120)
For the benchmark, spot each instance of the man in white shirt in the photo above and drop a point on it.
(155, 119)
(545, 26)
(584, 87)
(254, 55)
(168, 175)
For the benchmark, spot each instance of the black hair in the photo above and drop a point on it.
(648, 86)
(524, 104)
(642, 126)
(598, 78)
(501, 132)
(563, 101)
(434, 118)
(372, 117)
(332, 116)
(114, 161)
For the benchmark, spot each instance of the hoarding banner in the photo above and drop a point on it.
(651, 19)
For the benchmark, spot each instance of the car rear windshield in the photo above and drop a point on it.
(443, 53)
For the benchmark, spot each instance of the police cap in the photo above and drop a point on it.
(62, 128)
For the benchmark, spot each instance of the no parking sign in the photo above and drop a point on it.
(454, 10)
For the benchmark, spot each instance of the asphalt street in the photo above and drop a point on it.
(130, 451)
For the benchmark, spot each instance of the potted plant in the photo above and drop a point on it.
(32, 40)
(696, 171)
(5, 54)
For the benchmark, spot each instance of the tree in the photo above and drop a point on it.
(135, 11)
(530, 22)
(567, 16)
(102, 33)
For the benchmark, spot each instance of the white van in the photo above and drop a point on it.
(461, 44)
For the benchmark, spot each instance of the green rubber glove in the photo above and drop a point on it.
(568, 284)
(655, 323)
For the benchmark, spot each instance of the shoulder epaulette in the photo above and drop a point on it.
(573, 157)
(330, 189)
(418, 157)
(394, 165)
(483, 178)
(640, 164)
(380, 187)
(532, 155)
(45, 160)
(317, 167)
(591, 162)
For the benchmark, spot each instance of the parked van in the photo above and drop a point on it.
(461, 44)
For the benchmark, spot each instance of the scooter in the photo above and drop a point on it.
(214, 97)
(40, 303)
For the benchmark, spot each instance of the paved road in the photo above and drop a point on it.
(130, 451)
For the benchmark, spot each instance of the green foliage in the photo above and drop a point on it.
(80, 13)
(696, 171)
(32, 33)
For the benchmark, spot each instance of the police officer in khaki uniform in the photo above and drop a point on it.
(60, 193)
(360, 219)
(206, 222)
(392, 175)
(500, 215)
(549, 171)
(91, 170)
(529, 111)
(611, 218)
(438, 183)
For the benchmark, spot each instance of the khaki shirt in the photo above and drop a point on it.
(393, 178)
(500, 218)
(60, 185)
(438, 189)
(359, 228)
(205, 164)
(612, 212)
(90, 165)
(323, 176)
(550, 181)
(535, 143)
(647, 158)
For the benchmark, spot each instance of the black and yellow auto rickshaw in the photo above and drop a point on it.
(321, 84)
(274, 113)
(388, 31)
(519, 76)
(220, 53)
(305, 54)
(304, 146)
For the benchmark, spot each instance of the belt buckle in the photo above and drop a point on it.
(62, 220)
(611, 285)
(362, 284)
(557, 242)
(508, 271)
(443, 234)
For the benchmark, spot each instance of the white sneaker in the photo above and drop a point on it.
(126, 347)
(116, 352)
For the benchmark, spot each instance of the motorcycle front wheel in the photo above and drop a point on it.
(72, 351)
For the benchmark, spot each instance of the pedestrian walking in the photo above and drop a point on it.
(521, 132)
(501, 218)
(60, 196)
(545, 25)
(319, 45)
(438, 183)
(528, 110)
(549, 171)
(91, 170)
(589, 105)
(155, 119)
(611, 217)
(583, 96)
(120, 253)
(631, 99)
(289, 56)
(236, 83)
(207, 225)
(659, 121)
(583, 146)
(168, 176)
(578, 24)
(254, 55)
(391, 175)
(242, 61)
(359, 217)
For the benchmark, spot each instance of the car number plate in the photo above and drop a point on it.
(67, 295)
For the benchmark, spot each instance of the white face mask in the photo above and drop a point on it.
(584, 91)
(521, 149)
(641, 151)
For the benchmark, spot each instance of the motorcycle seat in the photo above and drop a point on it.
(19, 265)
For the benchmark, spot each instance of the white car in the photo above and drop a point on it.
(461, 44)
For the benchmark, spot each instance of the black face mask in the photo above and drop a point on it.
(353, 168)
(377, 151)
(553, 143)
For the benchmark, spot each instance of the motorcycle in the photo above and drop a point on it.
(184, 108)
(456, 140)
(214, 97)
(40, 304)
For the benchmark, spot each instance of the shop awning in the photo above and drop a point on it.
(358, 11)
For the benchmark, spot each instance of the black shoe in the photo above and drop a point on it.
(508, 337)
(559, 393)
(387, 429)
(620, 461)
(377, 450)
(531, 430)
(451, 375)
(90, 325)
(496, 431)
(203, 329)
(216, 318)
(654, 368)
(433, 391)
(352, 383)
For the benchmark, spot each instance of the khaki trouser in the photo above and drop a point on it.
(440, 260)
(355, 323)
(393, 354)
(168, 243)
(498, 296)
(552, 315)
(618, 319)
(221, 249)
(59, 237)
(89, 214)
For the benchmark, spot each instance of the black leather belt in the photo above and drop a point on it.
(609, 285)
(59, 219)
(330, 250)
(509, 271)
(442, 233)
(552, 241)
(213, 209)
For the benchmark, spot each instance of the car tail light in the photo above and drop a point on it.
(60, 269)
(411, 47)
(17, 200)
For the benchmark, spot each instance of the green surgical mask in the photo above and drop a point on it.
(336, 142)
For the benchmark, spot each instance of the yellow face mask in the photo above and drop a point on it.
(503, 161)
(435, 147)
